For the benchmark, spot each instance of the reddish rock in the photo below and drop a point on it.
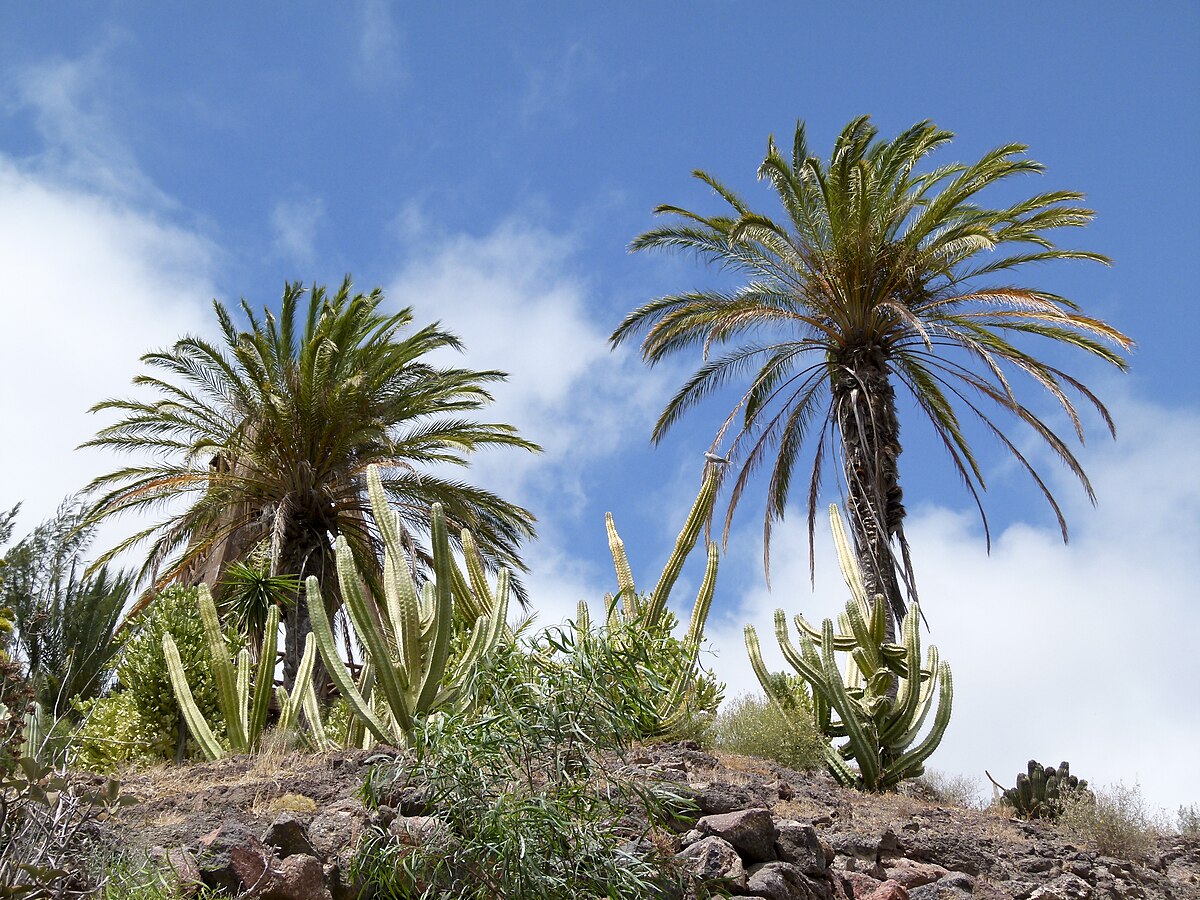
(913, 874)
(857, 885)
(889, 890)
(232, 859)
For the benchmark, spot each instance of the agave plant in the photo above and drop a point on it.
(885, 695)
(409, 671)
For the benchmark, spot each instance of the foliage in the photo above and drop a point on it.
(945, 789)
(879, 277)
(528, 809)
(639, 629)
(65, 620)
(408, 649)
(46, 820)
(755, 726)
(1040, 791)
(249, 592)
(141, 719)
(1115, 821)
(243, 709)
(885, 694)
(1188, 821)
(265, 437)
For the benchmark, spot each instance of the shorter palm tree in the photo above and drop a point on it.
(263, 443)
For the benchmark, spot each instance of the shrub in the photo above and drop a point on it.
(945, 789)
(141, 719)
(754, 726)
(1188, 821)
(1115, 821)
(526, 808)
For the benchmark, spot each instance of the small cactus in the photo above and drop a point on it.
(1040, 790)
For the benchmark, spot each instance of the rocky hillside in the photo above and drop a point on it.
(287, 828)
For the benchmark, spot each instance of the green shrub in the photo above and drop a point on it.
(754, 726)
(141, 719)
(528, 809)
(1188, 821)
(1114, 821)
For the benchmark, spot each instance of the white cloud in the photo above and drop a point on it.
(1081, 652)
(295, 222)
(378, 61)
(91, 283)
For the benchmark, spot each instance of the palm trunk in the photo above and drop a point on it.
(305, 553)
(865, 406)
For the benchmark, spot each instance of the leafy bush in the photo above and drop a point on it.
(1188, 821)
(527, 810)
(1115, 821)
(141, 719)
(754, 726)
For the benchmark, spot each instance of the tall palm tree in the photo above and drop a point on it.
(266, 439)
(878, 278)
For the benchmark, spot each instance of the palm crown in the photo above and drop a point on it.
(877, 277)
(268, 438)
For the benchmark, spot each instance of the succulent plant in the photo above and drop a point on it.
(885, 696)
(1040, 790)
(408, 673)
(244, 711)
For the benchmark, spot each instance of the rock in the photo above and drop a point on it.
(298, 877)
(889, 890)
(913, 874)
(1065, 887)
(187, 873)
(715, 799)
(690, 837)
(856, 885)
(419, 831)
(288, 836)
(799, 844)
(334, 832)
(751, 831)
(783, 881)
(231, 858)
(939, 890)
(715, 862)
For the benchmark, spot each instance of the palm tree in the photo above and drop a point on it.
(879, 278)
(265, 441)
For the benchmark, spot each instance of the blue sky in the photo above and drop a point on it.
(488, 165)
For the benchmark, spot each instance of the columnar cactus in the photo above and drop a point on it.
(407, 646)
(1040, 790)
(244, 711)
(885, 695)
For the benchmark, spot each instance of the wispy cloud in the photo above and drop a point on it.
(380, 45)
(295, 222)
(550, 87)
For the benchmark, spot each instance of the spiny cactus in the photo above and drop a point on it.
(245, 713)
(407, 646)
(885, 696)
(685, 691)
(1040, 790)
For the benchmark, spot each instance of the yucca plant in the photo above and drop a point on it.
(409, 671)
(885, 695)
(243, 708)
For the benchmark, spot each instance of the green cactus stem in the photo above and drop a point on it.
(882, 700)
(1040, 790)
(407, 646)
(243, 709)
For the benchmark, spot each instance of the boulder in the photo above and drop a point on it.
(232, 859)
(784, 881)
(288, 836)
(800, 845)
(715, 862)
(751, 832)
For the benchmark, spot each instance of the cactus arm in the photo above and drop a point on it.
(207, 741)
(699, 513)
(847, 561)
(704, 599)
(797, 661)
(918, 754)
(223, 671)
(356, 732)
(439, 650)
(290, 704)
(909, 694)
(336, 668)
(369, 633)
(265, 679)
(865, 748)
(583, 617)
(478, 600)
(625, 586)
(243, 692)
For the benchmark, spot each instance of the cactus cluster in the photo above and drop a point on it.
(629, 612)
(1040, 790)
(409, 672)
(243, 708)
(882, 701)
